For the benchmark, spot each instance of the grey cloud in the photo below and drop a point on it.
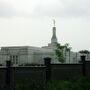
(71, 8)
(6, 10)
(77, 8)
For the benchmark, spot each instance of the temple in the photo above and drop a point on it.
(22, 55)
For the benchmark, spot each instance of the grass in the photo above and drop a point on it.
(69, 84)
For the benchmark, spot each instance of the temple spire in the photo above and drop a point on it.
(54, 38)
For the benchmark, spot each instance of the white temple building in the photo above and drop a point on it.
(21, 55)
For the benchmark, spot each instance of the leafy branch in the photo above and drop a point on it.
(59, 53)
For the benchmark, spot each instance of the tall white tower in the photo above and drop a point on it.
(54, 41)
(54, 38)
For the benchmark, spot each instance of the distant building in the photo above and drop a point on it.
(21, 55)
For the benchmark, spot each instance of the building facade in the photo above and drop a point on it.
(21, 55)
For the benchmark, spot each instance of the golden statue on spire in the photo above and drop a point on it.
(54, 22)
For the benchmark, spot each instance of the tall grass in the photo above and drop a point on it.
(70, 84)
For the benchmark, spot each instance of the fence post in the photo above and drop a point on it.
(83, 65)
(47, 62)
(8, 73)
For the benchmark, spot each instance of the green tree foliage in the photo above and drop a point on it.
(84, 52)
(59, 53)
(67, 49)
(67, 46)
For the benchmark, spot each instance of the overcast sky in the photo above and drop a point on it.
(30, 22)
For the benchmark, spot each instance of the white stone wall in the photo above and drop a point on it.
(3, 59)
(35, 55)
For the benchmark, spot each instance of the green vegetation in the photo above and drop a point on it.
(73, 84)
(61, 52)
(85, 52)
(69, 84)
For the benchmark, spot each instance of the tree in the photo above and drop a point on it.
(86, 52)
(67, 49)
(59, 53)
